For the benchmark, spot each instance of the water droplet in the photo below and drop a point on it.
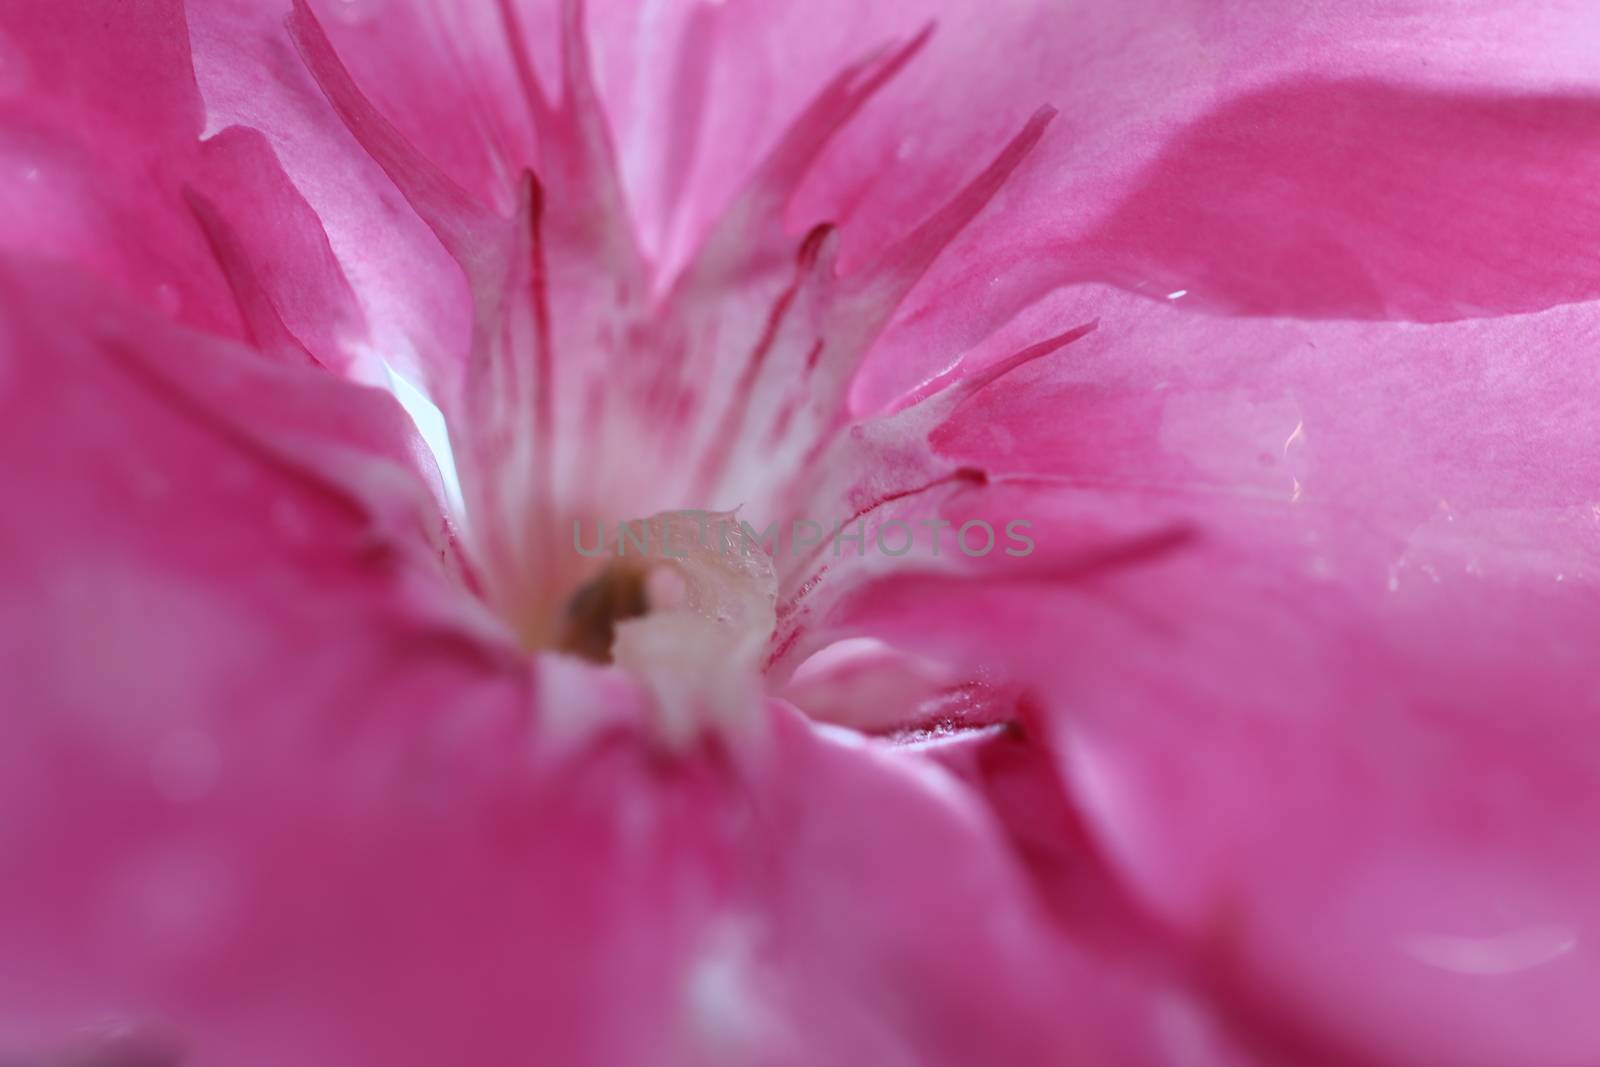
(1499, 954)
(1177, 294)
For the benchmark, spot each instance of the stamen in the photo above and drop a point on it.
(710, 595)
(589, 626)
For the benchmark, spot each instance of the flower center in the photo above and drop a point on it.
(685, 608)
(599, 376)
(589, 626)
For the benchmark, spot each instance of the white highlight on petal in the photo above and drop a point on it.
(838, 654)
(723, 1004)
(1507, 953)
(435, 434)
(1177, 294)
(945, 738)
(1298, 434)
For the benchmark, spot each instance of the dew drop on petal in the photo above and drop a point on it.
(1504, 953)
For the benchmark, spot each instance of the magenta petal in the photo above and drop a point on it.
(402, 886)
(1193, 1015)
(106, 168)
(274, 253)
(1310, 198)
(99, 120)
(1302, 658)
(461, 222)
(287, 797)
(1335, 163)
(1340, 199)
(283, 800)
(1339, 737)
(410, 292)
(172, 461)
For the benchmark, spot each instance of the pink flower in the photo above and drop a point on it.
(1236, 360)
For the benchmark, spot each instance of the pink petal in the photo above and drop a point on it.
(455, 144)
(1332, 198)
(869, 686)
(1204, 152)
(98, 124)
(273, 251)
(466, 112)
(422, 891)
(107, 170)
(1190, 1015)
(315, 464)
(283, 794)
(460, 220)
(1339, 737)
(410, 293)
